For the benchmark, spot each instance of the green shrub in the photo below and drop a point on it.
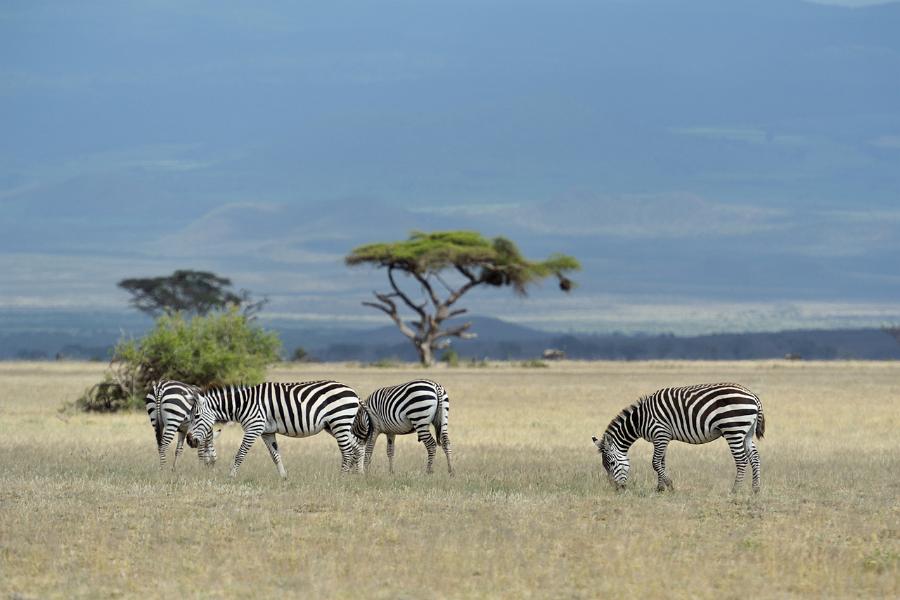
(216, 349)
(451, 357)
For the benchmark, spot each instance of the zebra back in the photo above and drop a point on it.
(298, 409)
(391, 406)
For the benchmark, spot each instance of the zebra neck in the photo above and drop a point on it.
(227, 403)
(625, 429)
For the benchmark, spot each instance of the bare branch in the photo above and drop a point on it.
(444, 283)
(378, 306)
(460, 332)
(416, 307)
(389, 307)
(427, 286)
(466, 272)
(458, 293)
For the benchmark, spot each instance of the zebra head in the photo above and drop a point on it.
(362, 425)
(200, 423)
(614, 461)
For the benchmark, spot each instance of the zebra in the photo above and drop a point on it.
(291, 409)
(169, 405)
(695, 414)
(402, 409)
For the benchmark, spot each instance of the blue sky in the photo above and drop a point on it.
(715, 167)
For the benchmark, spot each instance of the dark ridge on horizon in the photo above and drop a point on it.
(497, 339)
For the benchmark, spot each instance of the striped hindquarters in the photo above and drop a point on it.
(399, 408)
(168, 406)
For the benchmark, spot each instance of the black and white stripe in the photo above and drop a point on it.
(696, 415)
(169, 405)
(291, 409)
(402, 409)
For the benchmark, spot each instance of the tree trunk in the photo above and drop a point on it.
(426, 356)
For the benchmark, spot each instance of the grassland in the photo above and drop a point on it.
(85, 513)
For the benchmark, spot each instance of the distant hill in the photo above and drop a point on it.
(93, 336)
(498, 339)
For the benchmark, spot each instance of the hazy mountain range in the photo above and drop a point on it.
(58, 335)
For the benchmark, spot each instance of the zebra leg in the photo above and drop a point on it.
(390, 452)
(754, 465)
(272, 445)
(426, 438)
(348, 449)
(249, 437)
(440, 434)
(211, 455)
(165, 440)
(736, 442)
(179, 448)
(358, 455)
(445, 444)
(370, 448)
(666, 472)
(162, 448)
(659, 464)
(206, 451)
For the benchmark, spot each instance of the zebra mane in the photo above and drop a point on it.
(626, 412)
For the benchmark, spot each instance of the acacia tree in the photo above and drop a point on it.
(472, 261)
(188, 291)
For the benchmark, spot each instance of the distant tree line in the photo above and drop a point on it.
(864, 344)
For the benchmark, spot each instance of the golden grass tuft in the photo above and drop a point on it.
(85, 513)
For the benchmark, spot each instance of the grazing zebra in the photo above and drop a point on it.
(169, 405)
(696, 414)
(402, 409)
(292, 409)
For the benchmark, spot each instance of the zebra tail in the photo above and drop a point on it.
(158, 424)
(444, 407)
(761, 424)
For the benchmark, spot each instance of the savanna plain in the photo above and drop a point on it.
(85, 512)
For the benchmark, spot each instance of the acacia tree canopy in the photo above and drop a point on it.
(188, 291)
(494, 262)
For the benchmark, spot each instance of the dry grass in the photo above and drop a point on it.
(84, 512)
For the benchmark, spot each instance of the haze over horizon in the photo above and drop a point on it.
(714, 167)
